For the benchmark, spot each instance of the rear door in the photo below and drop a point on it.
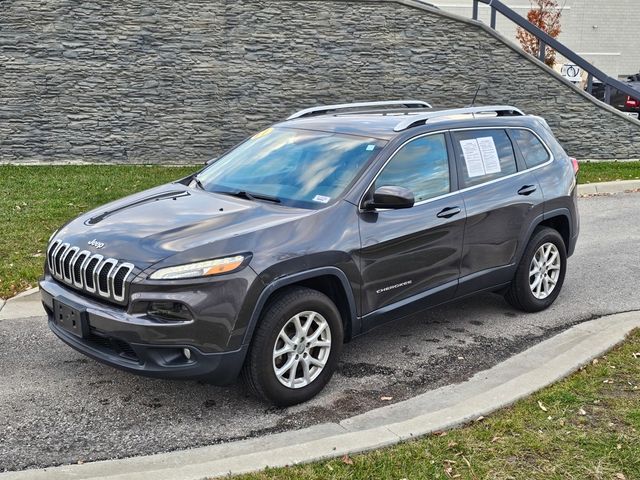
(413, 254)
(501, 198)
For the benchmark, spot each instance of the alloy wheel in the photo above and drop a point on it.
(544, 270)
(302, 349)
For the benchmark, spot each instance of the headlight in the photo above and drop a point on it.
(199, 269)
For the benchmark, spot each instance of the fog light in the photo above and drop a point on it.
(187, 353)
(172, 311)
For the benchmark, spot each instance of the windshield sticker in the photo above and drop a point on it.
(480, 156)
(370, 147)
(321, 199)
(263, 133)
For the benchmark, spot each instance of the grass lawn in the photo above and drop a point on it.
(608, 171)
(35, 200)
(585, 427)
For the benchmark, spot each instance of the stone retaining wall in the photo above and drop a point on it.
(160, 81)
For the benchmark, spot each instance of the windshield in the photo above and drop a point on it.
(294, 167)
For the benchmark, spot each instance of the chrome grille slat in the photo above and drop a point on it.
(51, 254)
(111, 263)
(92, 273)
(67, 263)
(57, 258)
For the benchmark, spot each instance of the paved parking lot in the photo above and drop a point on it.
(57, 406)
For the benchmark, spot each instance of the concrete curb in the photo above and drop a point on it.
(446, 407)
(608, 187)
(23, 305)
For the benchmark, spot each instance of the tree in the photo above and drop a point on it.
(544, 14)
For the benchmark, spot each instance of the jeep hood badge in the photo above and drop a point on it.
(96, 243)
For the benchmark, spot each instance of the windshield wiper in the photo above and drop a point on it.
(198, 182)
(252, 196)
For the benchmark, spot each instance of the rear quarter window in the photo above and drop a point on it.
(484, 155)
(532, 149)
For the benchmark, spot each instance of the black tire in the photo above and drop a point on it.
(519, 294)
(258, 371)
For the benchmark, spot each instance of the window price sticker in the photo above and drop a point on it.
(480, 156)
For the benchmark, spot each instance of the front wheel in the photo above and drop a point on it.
(540, 273)
(296, 347)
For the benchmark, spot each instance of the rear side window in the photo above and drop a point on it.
(531, 147)
(484, 155)
(422, 166)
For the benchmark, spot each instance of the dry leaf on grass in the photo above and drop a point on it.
(346, 459)
(542, 407)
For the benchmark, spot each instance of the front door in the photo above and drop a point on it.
(410, 257)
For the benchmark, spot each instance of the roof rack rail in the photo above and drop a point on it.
(419, 119)
(332, 108)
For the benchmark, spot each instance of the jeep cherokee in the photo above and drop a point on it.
(311, 232)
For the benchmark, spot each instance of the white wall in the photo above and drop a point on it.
(605, 32)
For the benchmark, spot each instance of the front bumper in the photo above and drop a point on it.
(140, 345)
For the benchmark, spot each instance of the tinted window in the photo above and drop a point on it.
(485, 155)
(422, 166)
(300, 167)
(532, 149)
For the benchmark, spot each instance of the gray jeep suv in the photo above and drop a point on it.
(312, 232)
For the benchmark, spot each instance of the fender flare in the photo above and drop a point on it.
(294, 278)
(558, 212)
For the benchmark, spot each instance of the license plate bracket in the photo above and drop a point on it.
(70, 317)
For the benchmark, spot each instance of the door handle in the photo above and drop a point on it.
(527, 190)
(449, 212)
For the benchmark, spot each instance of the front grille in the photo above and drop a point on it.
(103, 277)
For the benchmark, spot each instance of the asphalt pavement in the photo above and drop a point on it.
(58, 407)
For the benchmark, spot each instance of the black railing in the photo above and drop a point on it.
(546, 41)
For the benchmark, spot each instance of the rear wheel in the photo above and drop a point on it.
(540, 274)
(295, 348)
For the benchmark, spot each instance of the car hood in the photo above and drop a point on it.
(150, 226)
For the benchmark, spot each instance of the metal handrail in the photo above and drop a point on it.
(417, 119)
(332, 108)
(548, 41)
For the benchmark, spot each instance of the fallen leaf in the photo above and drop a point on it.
(594, 361)
(542, 407)
(619, 446)
(582, 412)
(495, 439)
(346, 459)
(386, 399)
(620, 476)
(479, 419)
(452, 444)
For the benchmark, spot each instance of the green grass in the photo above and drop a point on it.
(591, 430)
(591, 172)
(35, 200)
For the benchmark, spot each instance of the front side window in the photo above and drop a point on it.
(484, 155)
(301, 168)
(532, 149)
(421, 166)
